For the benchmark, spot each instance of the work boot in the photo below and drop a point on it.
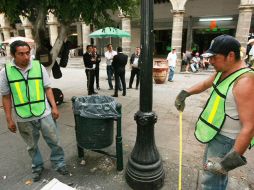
(62, 170)
(37, 175)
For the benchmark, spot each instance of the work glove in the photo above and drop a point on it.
(179, 102)
(229, 162)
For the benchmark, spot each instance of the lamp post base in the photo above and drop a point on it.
(145, 177)
(144, 169)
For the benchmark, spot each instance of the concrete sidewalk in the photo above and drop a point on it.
(99, 172)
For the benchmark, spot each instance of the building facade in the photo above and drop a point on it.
(179, 24)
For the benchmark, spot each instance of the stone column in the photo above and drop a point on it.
(93, 40)
(28, 32)
(27, 27)
(6, 32)
(5, 26)
(79, 34)
(189, 34)
(126, 26)
(177, 31)
(53, 28)
(1, 37)
(244, 22)
(6, 29)
(85, 39)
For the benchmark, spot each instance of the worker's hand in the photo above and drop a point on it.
(180, 100)
(55, 113)
(213, 165)
(229, 162)
(12, 126)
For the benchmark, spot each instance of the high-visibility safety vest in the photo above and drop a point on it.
(213, 116)
(28, 95)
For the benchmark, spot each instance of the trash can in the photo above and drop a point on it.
(94, 121)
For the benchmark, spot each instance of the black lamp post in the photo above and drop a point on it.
(144, 169)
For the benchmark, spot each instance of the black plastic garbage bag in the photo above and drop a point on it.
(65, 54)
(56, 71)
(97, 107)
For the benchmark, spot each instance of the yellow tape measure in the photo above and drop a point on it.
(180, 149)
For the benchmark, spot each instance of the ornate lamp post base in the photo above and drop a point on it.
(144, 169)
(145, 177)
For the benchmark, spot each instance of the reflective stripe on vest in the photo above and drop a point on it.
(28, 95)
(213, 115)
(252, 143)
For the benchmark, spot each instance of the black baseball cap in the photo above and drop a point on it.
(223, 44)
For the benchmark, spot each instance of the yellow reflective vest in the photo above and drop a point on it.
(28, 95)
(213, 116)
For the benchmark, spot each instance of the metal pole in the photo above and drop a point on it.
(144, 169)
(119, 144)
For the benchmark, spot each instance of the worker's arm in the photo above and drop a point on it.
(201, 86)
(196, 89)
(243, 93)
(7, 104)
(50, 96)
(243, 89)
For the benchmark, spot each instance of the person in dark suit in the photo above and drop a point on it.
(89, 63)
(135, 67)
(97, 58)
(119, 63)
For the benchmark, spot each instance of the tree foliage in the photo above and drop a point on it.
(97, 12)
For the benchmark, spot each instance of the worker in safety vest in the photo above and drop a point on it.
(25, 85)
(226, 123)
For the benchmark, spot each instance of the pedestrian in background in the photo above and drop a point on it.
(195, 62)
(97, 58)
(119, 62)
(90, 63)
(172, 59)
(25, 84)
(109, 54)
(135, 71)
(250, 53)
(188, 55)
(226, 123)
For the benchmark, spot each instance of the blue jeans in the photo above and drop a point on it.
(171, 73)
(30, 132)
(110, 74)
(218, 147)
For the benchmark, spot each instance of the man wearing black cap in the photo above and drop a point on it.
(226, 123)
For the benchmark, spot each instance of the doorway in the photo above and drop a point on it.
(162, 42)
(203, 37)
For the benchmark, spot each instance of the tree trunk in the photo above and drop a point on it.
(39, 31)
(39, 25)
(64, 28)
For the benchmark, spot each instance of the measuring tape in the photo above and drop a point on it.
(180, 149)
